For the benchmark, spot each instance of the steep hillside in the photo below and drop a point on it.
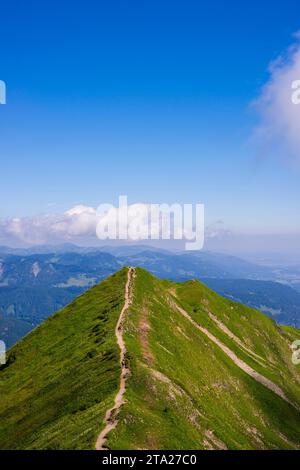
(142, 363)
(186, 392)
(60, 379)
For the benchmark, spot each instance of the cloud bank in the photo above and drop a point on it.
(80, 221)
(279, 128)
(85, 224)
(79, 224)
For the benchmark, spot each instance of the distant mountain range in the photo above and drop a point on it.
(276, 300)
(34, 285)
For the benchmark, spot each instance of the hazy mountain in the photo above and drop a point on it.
(46, 249)
(277, 300)
(12, 329)
(36, 285)
(197, 264)
(131, 250)
(32, 287)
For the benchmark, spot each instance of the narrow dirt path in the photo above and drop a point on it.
(241, 364)
(110, 419)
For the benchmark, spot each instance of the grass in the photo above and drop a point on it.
(202, 399)
(183, 391)
(60, 379)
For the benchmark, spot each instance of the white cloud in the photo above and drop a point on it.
(80, 221)
(279, 128)
(83, 223)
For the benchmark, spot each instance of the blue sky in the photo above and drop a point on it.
(149, 99)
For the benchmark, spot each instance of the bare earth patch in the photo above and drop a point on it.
(145, 328)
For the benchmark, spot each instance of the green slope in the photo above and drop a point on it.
(183, 391)
(60, 379)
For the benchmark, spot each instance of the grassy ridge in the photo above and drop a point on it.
(60, 379)
(184, 392)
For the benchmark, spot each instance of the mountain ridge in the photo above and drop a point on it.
(36, 285)
(61, 380)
